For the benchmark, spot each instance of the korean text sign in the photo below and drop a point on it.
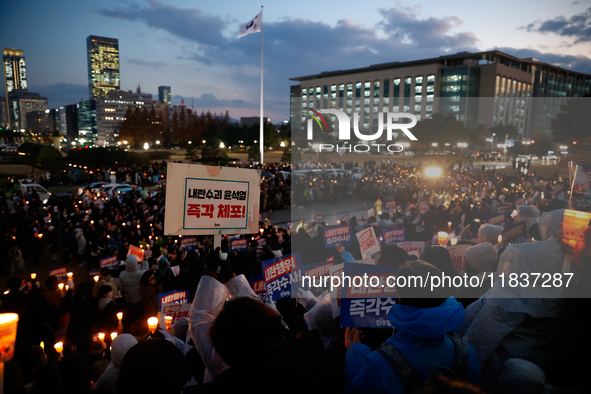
(257, 282)
(173, 297)
(110, 262)
(280, 273)
(515, 233)
(137, 252)
(61, 273)
(336, 235)
(368, 242)
(211, 200)
(368, 306)
(393, 235)
(239, 245)
(189, 243)
(498, 219)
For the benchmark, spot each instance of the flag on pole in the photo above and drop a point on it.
(254, 26)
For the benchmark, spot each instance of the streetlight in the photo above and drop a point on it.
(146, 146)
(157, 142)
(462, 145)
(434, 144)
(282, 144)
(222, 145)
(203, 141)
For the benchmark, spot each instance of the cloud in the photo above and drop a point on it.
(208, 100)
(577, 26)
(61, 94)
(145, 63)
(190, 24)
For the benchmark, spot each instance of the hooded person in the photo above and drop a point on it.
(481, 262)
(423, 321)
(523, 377)
(527, 212)
(489, 233)
(440, 258)
(119, 348)
(521, 321)
(130, 283)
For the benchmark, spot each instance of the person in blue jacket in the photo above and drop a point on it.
(422, 326)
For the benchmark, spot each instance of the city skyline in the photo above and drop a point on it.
(196, 53)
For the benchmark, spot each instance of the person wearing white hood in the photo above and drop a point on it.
(130, 281)
(521, 321)
(119, 348)
(81, 240)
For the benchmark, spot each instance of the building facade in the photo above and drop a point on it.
(110, 113)
(15, 73)
(21, 102)
(103, 66)
(164, 95)
(486, 88)
(86, 115)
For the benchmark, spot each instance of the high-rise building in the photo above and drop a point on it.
(15, 73)
(103, 66)
(87, 119)
(486, 88)
(20, 103)
(164, 95)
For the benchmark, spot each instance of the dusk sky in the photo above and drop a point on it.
(192, 46)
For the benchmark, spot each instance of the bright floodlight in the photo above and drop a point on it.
(433, 172)
(146, 146)
(222, 145)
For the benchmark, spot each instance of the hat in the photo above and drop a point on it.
(399, 222)
(489, 233)
(482, 257)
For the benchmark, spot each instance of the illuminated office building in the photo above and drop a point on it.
(103, 66)
(164, 95)
(15, 72)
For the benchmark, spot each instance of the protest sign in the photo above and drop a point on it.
(239, 245)
(137, 252)
(505, 208)
(257, 282)
(498, 219)
(260, 240)
(345, 219)
(412, 247)
(203, 200)
(515, 233)
(367, 305)
(335, 296)
(370, 212)
(280, 273)
(176, 270)
(109, 262)
(176, 311)
(173, 297)
(316, 270)
(189, 243)
(61, 273)
(458, 256)
(392, 235)
(368, 242)
(94, 272)
(336, 235)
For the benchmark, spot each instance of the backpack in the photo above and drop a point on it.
(409, 377)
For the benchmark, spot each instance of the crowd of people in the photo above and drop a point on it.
(456, 340)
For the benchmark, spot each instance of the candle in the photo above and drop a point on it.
(67, 287)
(500, 238)
(449, 224)
(70, 275)
(120, 315)
(60, 286)
(42, 344)
(442, 238)
(59, 347)
(33, 276)
(8, 325)
(152, 323)
(113, 336)
(96, 278)
(101, 336)
(168, 321)
(454, 241)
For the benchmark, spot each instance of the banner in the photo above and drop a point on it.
(61, 273)
(412, 247)
(458, 256)
(392, 235)
(515, 233)
(173, 297)
(239, 245)
(189, 243)
(202, 200)
(137, 252)
(280, 273)
(176, 311)
(357, 310)
(257, 283)
(109, 262)
(316, 270)
(337, 235)
(498, 219)
(368, 242)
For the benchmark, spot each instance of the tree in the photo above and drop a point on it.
(504, 131)
(441, 129)
(50, 159)
(212, 153)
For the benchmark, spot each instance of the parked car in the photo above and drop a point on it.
(43, 193)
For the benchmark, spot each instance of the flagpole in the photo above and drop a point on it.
(261, 118)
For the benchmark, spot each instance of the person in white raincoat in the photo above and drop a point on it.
(519, 322)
